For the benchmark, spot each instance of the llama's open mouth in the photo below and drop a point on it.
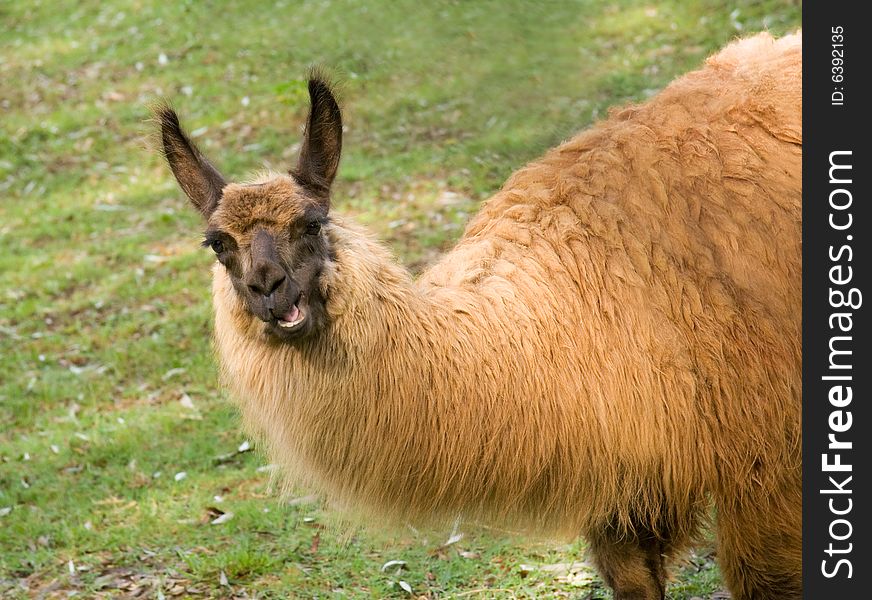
(292, 318)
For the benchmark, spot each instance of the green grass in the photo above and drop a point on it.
(107, 384)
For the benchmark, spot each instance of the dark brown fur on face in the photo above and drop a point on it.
(276, 254)
(613, 344)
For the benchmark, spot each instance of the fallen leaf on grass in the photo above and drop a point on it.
(186, 401)
(578, 574)
(440, 551)
(525, 570)
(223, 517)
(578, 579)
(400, 564)
(563, 568)
(114, 578)
(224, 458)
(98, 369)
(453, 539)
(242, 449)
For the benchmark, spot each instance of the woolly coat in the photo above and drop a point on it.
(614, 340)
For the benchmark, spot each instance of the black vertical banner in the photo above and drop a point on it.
(837, 227)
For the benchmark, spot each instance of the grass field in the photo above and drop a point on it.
(123, 472)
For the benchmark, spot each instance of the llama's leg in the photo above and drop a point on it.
(633, 566)
(760, 544)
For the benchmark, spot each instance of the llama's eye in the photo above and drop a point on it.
(313, 227)
(217, 246)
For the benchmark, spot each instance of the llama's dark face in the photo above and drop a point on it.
(270, 235)
(271, 238)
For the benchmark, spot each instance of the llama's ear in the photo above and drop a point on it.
(197, 177)
(322, 142)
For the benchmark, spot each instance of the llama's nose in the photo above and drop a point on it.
(265, 279)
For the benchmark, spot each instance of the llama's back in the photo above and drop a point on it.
(667, 241)
(694, 196)
(707, 173)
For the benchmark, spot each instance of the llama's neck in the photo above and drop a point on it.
(397, 402)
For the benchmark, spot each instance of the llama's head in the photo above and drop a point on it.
(269, 235)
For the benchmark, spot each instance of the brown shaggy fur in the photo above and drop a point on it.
(613, 344)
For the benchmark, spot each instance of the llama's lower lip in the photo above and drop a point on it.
(292, 319)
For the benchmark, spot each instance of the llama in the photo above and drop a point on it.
(612, 347)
